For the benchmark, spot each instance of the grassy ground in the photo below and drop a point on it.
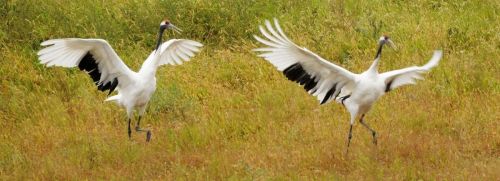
(229, 115)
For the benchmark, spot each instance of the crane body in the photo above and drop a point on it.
(328, 81)
(108, 72)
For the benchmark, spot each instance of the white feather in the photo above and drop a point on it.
(283, 53)
(357, 92)
(109, 71)
(411, 74)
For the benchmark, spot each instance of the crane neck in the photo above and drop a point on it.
(151, 64)
(374, 66)
(160, 36)
(379, 50)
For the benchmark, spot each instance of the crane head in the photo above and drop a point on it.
(384, 39)
(165, 24)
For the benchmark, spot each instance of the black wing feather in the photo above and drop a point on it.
(388, 86)
(90, 65)
(297, 74)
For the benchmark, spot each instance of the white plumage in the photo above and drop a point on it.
(100, 61)
(327, 81)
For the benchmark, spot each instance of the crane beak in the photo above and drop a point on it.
(174, 28)
(391, 44)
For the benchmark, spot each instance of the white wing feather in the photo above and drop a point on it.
(69, 52)
(175, 51)
(410, 75)
(284, 54)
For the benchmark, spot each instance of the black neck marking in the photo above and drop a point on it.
(160, 35)
(379, 50)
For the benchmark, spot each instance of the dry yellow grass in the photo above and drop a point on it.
(229, 115)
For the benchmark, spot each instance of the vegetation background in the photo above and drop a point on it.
(228, 114)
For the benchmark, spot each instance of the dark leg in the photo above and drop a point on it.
(374, 134)
(139, 129)
(137, 126)
(129, 130)
(349, 138)
(148, 135)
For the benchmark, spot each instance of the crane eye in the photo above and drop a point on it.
(165, 22)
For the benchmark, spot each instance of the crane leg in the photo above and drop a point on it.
(129, 130)
(139, 129)
(137, 126)
(374, 134)
(353, 110)
(349, 136)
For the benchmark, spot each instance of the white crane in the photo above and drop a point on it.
(107, 70)
(327, 81)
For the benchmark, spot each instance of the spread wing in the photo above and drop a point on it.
(320, 77)
(175, 51)
(94, 56)
(410, 75)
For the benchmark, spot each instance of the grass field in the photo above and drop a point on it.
(228, 114)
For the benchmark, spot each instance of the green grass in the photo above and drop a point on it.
(228, 114)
